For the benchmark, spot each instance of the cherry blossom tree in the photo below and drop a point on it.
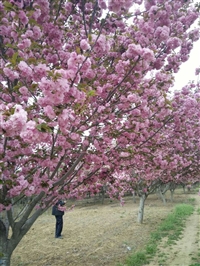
(82, 84)
(173, 156)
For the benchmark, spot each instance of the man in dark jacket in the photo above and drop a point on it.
(58, 213)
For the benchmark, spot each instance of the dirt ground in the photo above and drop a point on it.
(94, 234)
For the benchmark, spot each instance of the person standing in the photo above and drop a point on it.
(58, 212)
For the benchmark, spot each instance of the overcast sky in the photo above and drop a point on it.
(187, 69)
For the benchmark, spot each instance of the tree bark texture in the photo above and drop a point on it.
(141, 208)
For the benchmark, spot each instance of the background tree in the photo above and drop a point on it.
(171, 157)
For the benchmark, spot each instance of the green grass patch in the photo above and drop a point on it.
(191, 200)
(151, 248)
(171, 228)
(137, 259)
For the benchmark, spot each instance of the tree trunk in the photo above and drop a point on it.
(162, 196)
(141, 208)
(172, 195)
(134, 197)
(20, 226)
(5, 255)
(5, 259)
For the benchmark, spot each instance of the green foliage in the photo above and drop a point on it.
(137, 259)
(151, 248)
(192, 200)
(8, 6)
(44, 128)
(173, 225)
(183, 210)
(156, 236)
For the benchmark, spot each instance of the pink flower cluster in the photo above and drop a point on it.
(21, 184)
(11, 74)
(102, 44)
(119, 5)
(84, 45)
(12, 124)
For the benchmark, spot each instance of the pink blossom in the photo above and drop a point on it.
(197, 71)
(148, 55)
(12, 75)
(117, 5)
(173, 42)
(72, 61)
(15, 122)
(21, 185)
(28, 34)
(74, 136)
(124, 154)
(162, 33)
(37, 33)
(102, 4)
(62, 208)
(25, 43)
(194, 35)
(23, 90)
(102, 45)
(29, 132)
(132, 98)
(25, 69)
(84, 45)
(133, 50)
(23, 17)
(49, 112)
(40, 71)
(2, 207)
(100, 109)
(90, 74)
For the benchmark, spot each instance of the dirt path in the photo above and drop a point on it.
(186, 251)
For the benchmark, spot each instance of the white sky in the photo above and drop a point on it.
(187, 69)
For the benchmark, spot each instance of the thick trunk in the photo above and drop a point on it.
(5, 254)
(8, 245)
(5, 259)
(8, 242)
(141, 208)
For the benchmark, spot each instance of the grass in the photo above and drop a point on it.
(191, 200)
(171, 228)
(197, 263)
(137, 259)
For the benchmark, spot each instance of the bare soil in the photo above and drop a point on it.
(94, 233)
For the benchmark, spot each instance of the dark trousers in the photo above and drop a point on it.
(59, 225)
